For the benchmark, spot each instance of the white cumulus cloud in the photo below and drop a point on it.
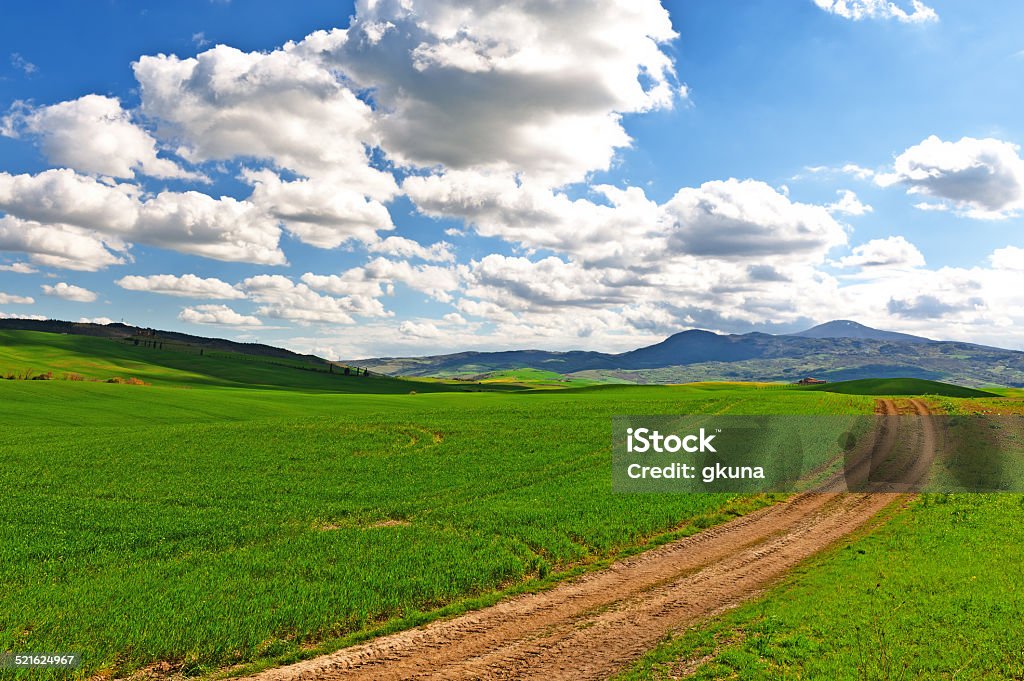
(190, 222)
(217, 314)
(1008, 258)
(223, 229)
(11, 299)
(736, 219)
(536, 88)
(185, 286)
(62, 196)
(982, 178)
(322, 212)
(59, 246)
(848, 204)
(281, 298)
(69, 292)
(401, 247)
(16, 315)
(880, 9)
(18, 268)
(94, 134)
(891, 252)
(282, 106)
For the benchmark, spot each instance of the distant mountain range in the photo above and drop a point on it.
(837, 350)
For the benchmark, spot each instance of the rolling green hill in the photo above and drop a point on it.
(31, 353)
(898, 386)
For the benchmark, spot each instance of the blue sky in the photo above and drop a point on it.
(478, 176)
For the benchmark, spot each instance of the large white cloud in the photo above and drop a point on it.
(353, 282)
(737, 219)
(731, 219)
(537, 88)
(193, 222)
(281, 106)
(185, 286)
(555, 295)
(95, 135)
(379, 276)
(66, 197)
(733, 251)
(435, 280)
(59, 245)
(419, 330)
(983, 178)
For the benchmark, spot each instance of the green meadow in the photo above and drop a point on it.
(934, 591)
(937, 592)
(237, 513)
(196, 522)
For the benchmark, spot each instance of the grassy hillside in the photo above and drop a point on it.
(263, 524)
(101, 359)
(898, 386)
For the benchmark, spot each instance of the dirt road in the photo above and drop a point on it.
(591, 627)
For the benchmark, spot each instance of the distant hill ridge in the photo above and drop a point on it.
(837, 350)
(844, 328)
(834, 351)
(120, 331)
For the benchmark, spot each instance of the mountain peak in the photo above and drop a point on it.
(846, 328)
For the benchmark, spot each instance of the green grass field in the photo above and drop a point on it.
(935, 593)
(539, 378)
(209, 520)
(206, 525)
